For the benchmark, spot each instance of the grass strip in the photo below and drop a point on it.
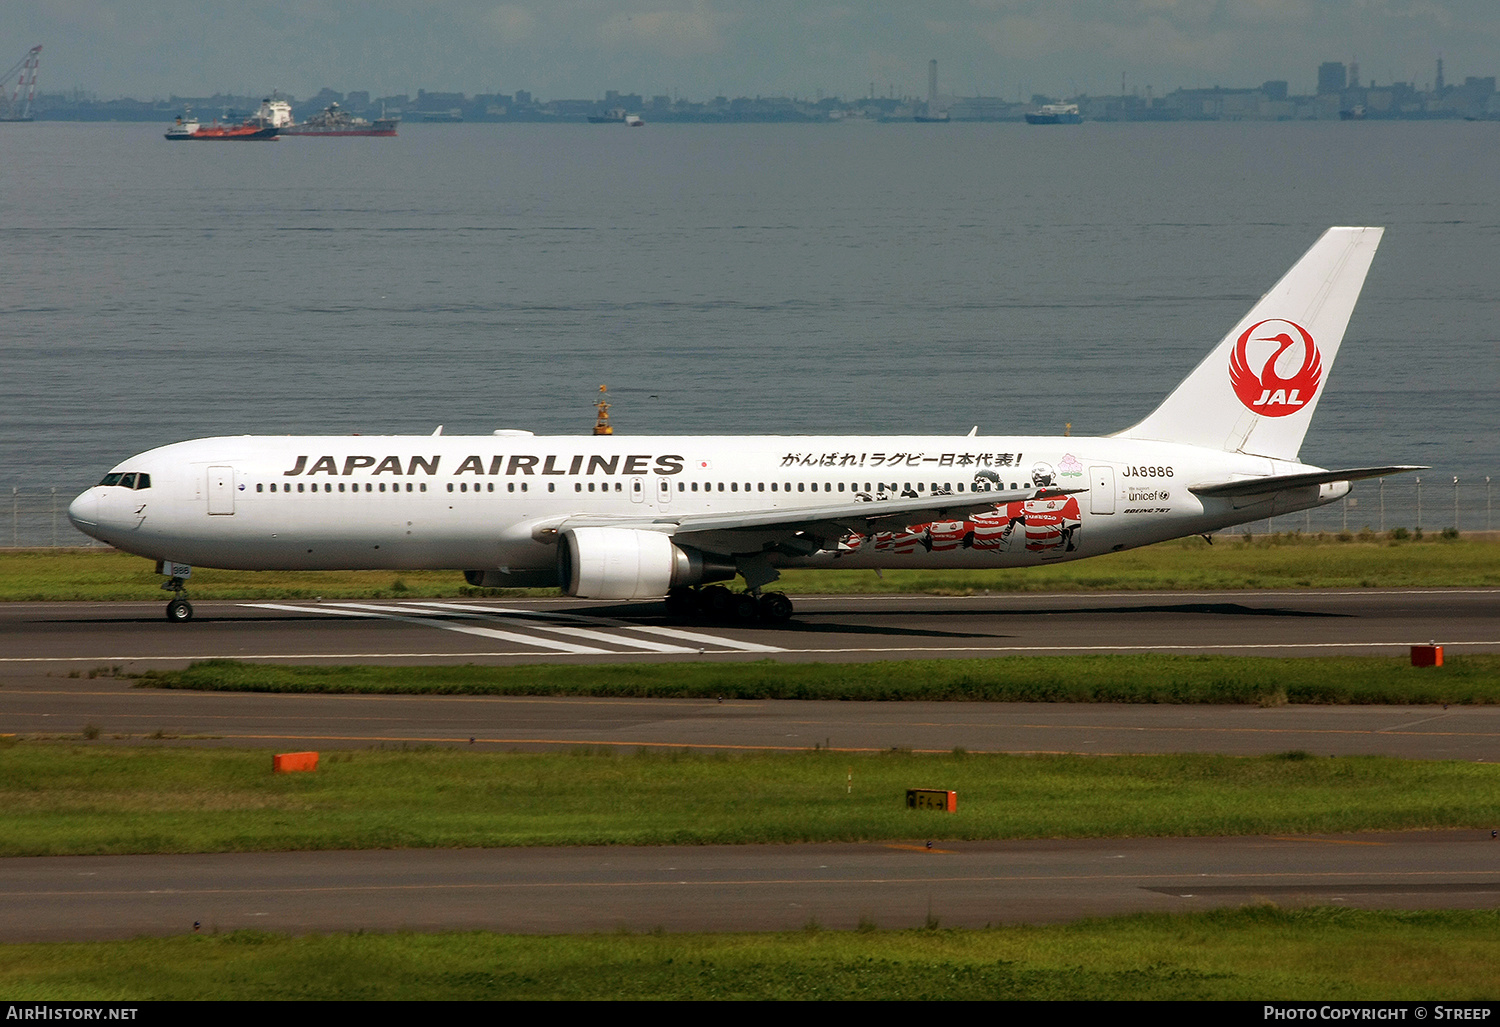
(1256, 953)
(1134, 678)
(1270, 561)
(81, 798)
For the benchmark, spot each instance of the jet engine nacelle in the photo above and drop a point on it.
(627, 563)
(504, 577)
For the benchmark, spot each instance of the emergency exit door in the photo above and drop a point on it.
(221, 490)
(1102, 489)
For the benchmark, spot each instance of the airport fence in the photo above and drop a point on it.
(39, 516)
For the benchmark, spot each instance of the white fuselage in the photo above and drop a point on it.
(480, 502)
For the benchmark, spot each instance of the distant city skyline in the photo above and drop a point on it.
(704, 48)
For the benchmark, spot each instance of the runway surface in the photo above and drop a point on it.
(43, 643)
(46, 636)
(739, 888)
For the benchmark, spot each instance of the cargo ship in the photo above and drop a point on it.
(332, 120)
(1055, 114)
(617, 116)
(187, 127)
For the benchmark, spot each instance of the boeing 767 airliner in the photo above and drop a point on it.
(608, 517)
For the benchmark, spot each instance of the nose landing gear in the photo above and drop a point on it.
(179, 610)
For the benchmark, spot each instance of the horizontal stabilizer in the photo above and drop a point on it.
(1278, 482)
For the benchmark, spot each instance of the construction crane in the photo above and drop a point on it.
(13, 107)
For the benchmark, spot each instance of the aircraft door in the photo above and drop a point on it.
(663, 491)
(221, 490)
(1102, 489)
(637, 490)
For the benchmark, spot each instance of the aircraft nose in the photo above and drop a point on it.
(84, 511)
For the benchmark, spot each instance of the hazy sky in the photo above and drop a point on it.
(702, 48)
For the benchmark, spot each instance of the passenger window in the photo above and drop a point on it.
(523, 486)
(551, 486)
(510, 487)
(341, 487)
(300, 486)
(801, 486)
(450, 486)
(422, 487)
(260, 487)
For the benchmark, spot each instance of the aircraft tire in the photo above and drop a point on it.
(681, 602)
(775, 608)
(715, 601)
(744, 609)
(179, 611)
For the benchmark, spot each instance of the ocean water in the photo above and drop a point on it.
(723, 279)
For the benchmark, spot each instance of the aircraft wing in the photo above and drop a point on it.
(1278, 482)
(811, 527)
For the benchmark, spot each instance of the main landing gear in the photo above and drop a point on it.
(717, 603)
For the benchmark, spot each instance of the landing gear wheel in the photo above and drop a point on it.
(681, 602)
(775, 608)
(179, 611)
(715, 601)
(744, 608)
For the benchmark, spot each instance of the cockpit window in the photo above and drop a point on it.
(128, 479)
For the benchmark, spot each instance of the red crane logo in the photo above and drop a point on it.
(1268, 392)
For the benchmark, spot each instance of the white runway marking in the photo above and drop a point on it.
(438, 615)
(650, 629)
(497, 616)
(467, 629)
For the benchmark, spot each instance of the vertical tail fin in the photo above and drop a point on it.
(1256, 392)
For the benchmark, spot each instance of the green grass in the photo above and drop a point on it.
(1257, 953)
(82, 798)
(1137, 678)
(1277, 561)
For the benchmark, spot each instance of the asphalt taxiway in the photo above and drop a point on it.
(736, 888)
